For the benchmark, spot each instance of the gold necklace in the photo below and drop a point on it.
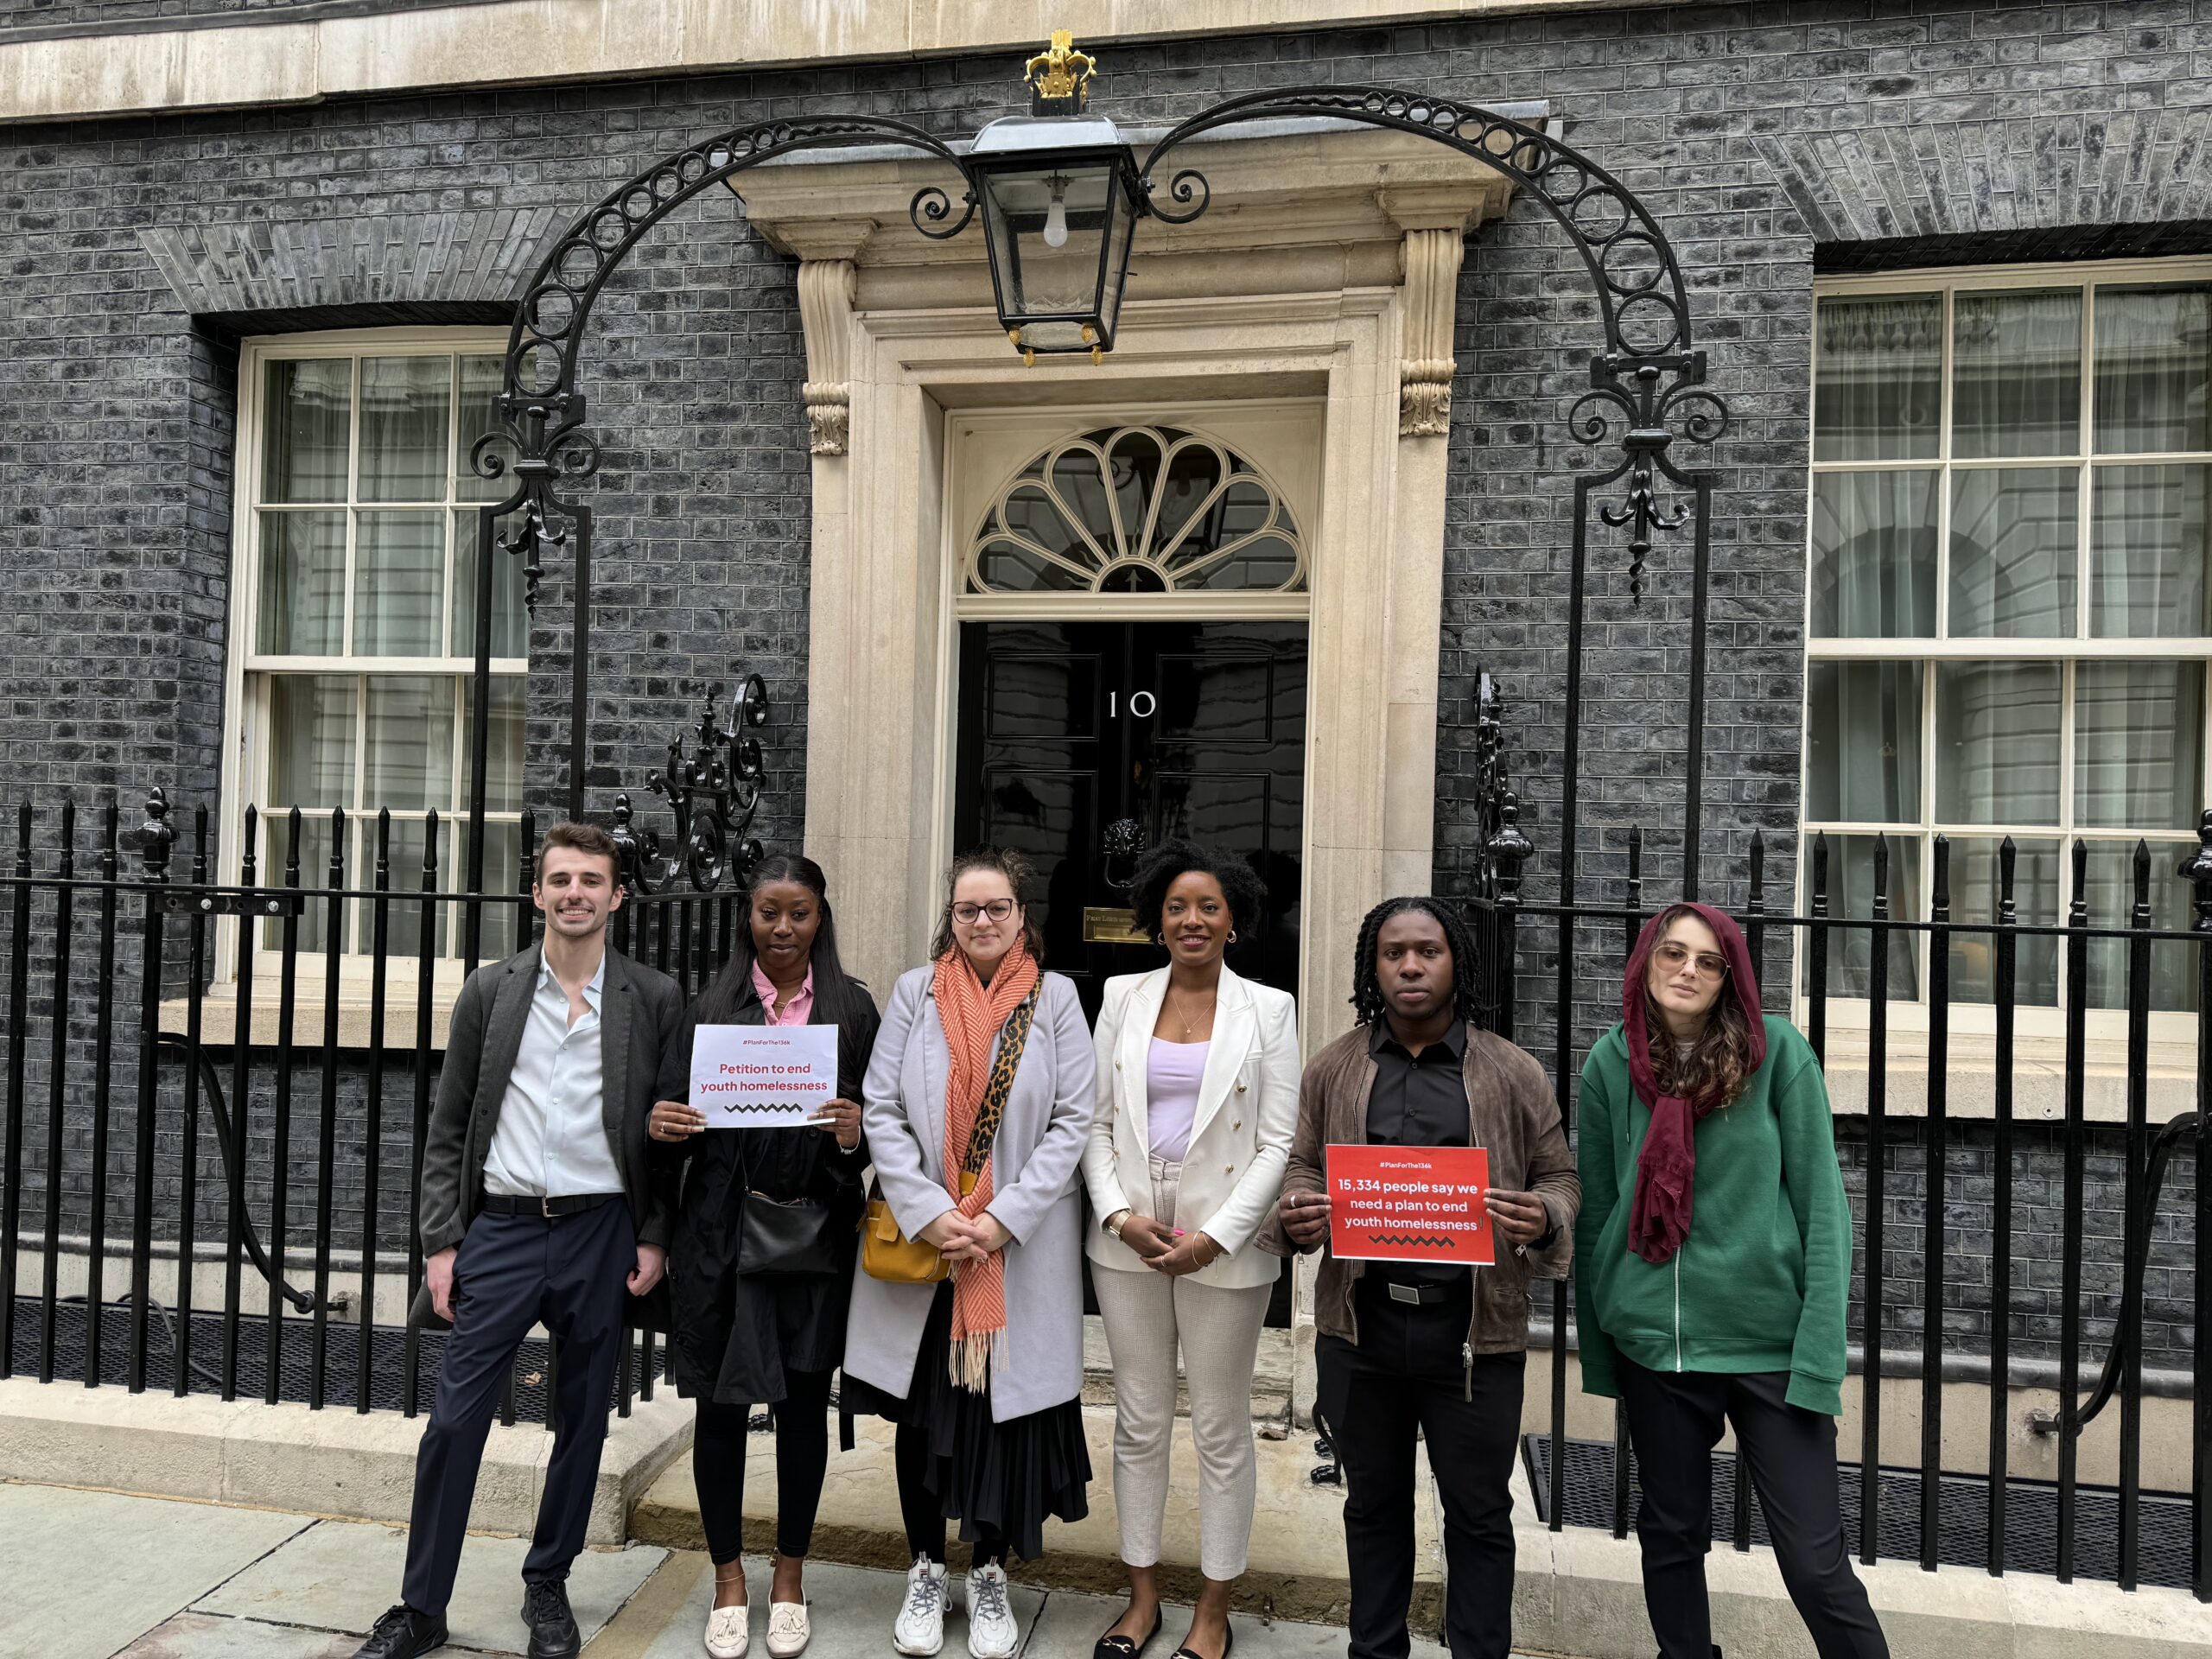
(1176, 1002)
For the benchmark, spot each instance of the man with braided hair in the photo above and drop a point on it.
(1407, 1346)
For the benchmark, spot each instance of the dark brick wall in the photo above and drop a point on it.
(21, 19)
(1852, 133)
(2038, 1235)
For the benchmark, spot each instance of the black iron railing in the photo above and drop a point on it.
(187, 1084)
(201, 1091)
(1551, 969)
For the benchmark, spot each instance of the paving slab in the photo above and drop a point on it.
(1072, 1622)
(341, 1575)
(89, 1572)
(203, 1636)
(854, 1607)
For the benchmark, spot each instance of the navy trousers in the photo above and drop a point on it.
(568, 1274)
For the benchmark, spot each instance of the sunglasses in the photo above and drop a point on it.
(1673, 957)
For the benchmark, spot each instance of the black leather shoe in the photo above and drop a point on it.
(553, 1633)
(403, 1633)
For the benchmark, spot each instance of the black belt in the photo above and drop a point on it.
(1424, 1295)
(502, 1203)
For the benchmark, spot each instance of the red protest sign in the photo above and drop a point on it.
(1409, 1203)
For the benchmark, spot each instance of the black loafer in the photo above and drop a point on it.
(1121, 1647)
(403, 1633)
(553, 1633)
(1227, 1645)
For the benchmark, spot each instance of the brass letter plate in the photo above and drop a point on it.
(1110, 924)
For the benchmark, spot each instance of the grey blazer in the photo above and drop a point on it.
(1035, 1194)
(641, 1011)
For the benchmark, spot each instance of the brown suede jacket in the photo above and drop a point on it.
(1511, 1110)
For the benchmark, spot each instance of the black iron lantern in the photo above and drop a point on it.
(1060, 199)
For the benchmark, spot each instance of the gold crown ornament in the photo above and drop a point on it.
(1059, 77)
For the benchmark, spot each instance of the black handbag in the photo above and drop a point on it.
(783, 1237)
(786, 1238)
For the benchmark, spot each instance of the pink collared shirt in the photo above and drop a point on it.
(797, 1012)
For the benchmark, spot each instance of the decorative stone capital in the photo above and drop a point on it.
(1433, 260)
(825, 309)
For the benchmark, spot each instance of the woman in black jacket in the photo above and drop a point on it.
(737, 1339)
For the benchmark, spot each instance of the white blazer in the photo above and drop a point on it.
(1240, 1138)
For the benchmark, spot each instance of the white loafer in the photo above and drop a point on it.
(728, 1632)
(788, 1631)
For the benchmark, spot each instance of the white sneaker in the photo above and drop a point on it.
(992, 1633)
(728, 1633)
(919, 1629)
(788, 1629)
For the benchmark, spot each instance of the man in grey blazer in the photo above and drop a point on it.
(541, 1204)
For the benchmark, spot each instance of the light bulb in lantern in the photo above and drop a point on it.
(1056, 217)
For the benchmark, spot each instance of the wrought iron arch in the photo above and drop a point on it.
(541, 410)
(1647, 377)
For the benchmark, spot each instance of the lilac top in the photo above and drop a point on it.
(1172, 1075)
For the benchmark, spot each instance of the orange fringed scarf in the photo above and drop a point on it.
(973, 1014)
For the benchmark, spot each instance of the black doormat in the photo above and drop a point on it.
(2030, 1515)
(295, 1357)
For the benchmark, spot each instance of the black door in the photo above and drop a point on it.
(1083, 743)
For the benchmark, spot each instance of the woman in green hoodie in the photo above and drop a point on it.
(1738, 1320)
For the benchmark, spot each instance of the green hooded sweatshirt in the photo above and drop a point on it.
(1761, 1283)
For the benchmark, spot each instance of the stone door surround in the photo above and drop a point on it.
(1326, 269)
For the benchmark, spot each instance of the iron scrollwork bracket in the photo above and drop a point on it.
(715, 793)
(1504, 849)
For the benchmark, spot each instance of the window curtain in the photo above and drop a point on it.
(1879, 378)
(2016, 373)
(1874, 555)
(2154, 364)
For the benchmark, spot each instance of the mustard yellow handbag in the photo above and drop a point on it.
(889, 1255)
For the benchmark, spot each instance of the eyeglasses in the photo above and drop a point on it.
(967, 914)
(1672, 956)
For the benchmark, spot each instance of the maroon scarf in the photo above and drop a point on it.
(1659, 1217)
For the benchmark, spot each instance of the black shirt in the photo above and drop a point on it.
(1417, 1100)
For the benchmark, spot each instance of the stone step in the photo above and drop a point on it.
(1297, 1569)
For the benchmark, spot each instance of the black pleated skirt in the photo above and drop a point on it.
(990, 1477)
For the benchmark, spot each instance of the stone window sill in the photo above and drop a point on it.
(2038, 1077)
(219, 1018)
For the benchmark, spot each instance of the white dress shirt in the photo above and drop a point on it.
(551, 1141)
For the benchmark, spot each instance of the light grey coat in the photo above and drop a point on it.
(1035, 1194)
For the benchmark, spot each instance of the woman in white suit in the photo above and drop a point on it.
(1197, 1099)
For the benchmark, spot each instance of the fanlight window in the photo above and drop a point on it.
(1138, 510)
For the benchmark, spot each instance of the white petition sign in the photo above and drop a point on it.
(763, 1076)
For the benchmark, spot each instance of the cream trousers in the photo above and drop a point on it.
(1147, 1316)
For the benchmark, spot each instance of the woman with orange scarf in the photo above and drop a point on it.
(976, 1108)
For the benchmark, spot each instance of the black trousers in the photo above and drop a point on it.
(1406, 1373)
(1674, 1421)
(802, 1460)
(513, 1272)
